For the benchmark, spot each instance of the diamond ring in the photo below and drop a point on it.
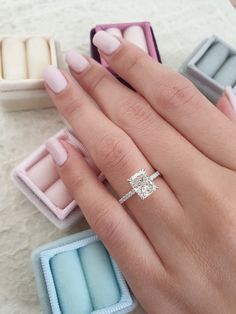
(141, 184)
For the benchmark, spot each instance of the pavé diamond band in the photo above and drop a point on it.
(141, 184)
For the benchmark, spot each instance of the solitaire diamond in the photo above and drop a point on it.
(142, 184)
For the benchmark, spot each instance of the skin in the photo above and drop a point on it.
(177, 248)
(224, 106)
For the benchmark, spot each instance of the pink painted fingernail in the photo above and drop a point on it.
(114, 31)
(57, 151)
(55, 79)
(77, 62)
(106, 42)
(231, 97)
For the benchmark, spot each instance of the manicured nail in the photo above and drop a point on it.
(77, 62)
(106, 42)
(55, 79)
(57, 151)
(114, 31)
(231, 97)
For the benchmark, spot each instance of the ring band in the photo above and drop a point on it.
(141, 184)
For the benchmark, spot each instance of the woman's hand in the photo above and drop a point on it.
(176, 248)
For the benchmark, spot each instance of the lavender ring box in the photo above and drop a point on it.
(76, 275)
(212, 67)
(38, 179)
(23, 59)
(151, 44)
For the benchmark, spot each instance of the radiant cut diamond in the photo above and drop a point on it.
(142, 184)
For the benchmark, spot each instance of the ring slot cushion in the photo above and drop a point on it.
(99, 267)
(211, 67)
(70, 283)
(225, 75)
(213, 59)
(76, 275)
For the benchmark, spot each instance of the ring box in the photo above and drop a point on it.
(153, 50)
(209, 69)
(38, 179)
(76, 274)
(28, 93)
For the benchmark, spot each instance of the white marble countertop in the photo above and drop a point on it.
(179, 25)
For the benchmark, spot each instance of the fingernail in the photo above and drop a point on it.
(106, 42)
(114, 31)
(57, 151)
(55, 79)
(231, 97)
(77, 62)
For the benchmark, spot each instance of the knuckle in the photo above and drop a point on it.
(96, 83)
(134, 62)
(76, 183)
(178, 92)
(136, 111)
(105, 225)
(70, 107)
(113, 153)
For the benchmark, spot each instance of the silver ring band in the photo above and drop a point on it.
(141, 184)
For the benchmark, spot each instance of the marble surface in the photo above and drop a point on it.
(179, 26)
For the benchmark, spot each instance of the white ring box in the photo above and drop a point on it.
(28, 93)
(62, 218)
(206, 84)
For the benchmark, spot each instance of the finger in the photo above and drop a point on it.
(120, 234)
(225, 106)
(117, 156)
(173, 97)
(152, 134)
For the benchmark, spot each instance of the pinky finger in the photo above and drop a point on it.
(122, 237)
(227, 104)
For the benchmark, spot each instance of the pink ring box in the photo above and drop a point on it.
(38, 179)
(148, 32)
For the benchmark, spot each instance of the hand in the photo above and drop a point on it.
(176, 248)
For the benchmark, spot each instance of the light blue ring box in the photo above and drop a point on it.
(206, 84)
(42, 259)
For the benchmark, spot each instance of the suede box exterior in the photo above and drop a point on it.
(40, 277)
(206, 84)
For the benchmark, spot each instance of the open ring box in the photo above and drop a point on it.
(76, 275)
(23, 59)
(212, 67)
(38, 179)
(144, 38)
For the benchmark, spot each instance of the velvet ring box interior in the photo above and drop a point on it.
(23, 59)
(212, 67)
(76, 275)
(139, 33)
(38, 179)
